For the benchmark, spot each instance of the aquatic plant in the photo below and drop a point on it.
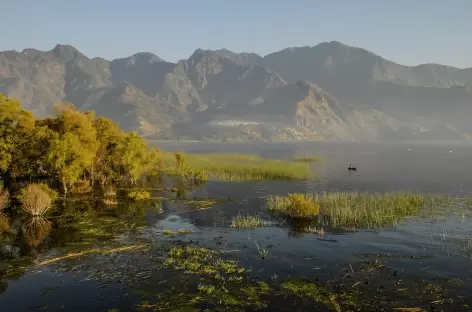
(309, 290)
(204, 203)
(262, 251)
(168, 232)
(350, 209)
(205, 262)
(36, 199)
(184, 231)
(108, 250)
(247, 222)
(137, 195)
(308, 159)
(240, 167)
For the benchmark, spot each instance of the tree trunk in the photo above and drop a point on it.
(92, 178)
(64, 186)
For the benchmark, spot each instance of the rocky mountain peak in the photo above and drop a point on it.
(67, 53)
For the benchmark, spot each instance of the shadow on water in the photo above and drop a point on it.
(421, 262)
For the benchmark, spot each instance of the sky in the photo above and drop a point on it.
(409, 32)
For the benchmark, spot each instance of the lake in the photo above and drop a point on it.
(423, 263)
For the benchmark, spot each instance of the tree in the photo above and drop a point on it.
(105, 164)
(68, 159)
(16, 128)
(132, 151)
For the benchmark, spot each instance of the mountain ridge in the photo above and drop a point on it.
(329, 90)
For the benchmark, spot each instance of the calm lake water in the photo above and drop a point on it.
(431, 250)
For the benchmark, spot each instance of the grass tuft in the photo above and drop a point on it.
(247, 222)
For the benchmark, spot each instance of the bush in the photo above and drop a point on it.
(139, 195)
(81, 187)
(301, 206)
(37, 199)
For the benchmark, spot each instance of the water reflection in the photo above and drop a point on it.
(35, 230)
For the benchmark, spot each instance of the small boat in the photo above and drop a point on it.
(351, 168)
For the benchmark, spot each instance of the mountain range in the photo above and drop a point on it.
(328, 91)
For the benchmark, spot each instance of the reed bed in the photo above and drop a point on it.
(240, 167)
(308, 158)
(247, 222)
(350, 209)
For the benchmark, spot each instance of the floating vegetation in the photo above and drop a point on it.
(184, 231)
(199, 204)
(90, 228)
(240, 167)
(349, 209)
(94, 250)
(37, 199)
(308, 158)
(204, 262)
(247, 222)
(137, 195)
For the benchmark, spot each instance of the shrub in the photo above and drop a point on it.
(302, 206)
(199, 176)
(37, 199)
(181, 163)
(139, 195)
(109, 197)
(81, 187)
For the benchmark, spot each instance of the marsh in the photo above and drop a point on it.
(199, 251)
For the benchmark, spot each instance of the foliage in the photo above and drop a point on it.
(36, 199)
(81, 187)
(139, 195)
(72, 147)
(16, 127)
(4, 198)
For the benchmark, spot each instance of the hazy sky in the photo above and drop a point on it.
(405, 31)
